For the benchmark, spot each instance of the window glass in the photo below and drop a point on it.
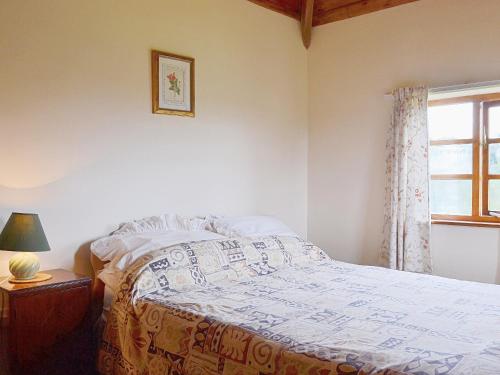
(454, 121)
(494, 195)
(494, 159)
(494, 122)
(451, 159)
(451, 197)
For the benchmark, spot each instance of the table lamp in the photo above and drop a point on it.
(23, 233)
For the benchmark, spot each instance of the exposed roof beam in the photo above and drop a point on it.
(329, 11)
(287, 7)
(306, 21)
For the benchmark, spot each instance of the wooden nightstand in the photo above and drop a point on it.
(47, 328)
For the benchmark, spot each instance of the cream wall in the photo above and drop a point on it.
(80, 146)
(351, 65)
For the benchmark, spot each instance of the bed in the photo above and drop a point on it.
(280, 305)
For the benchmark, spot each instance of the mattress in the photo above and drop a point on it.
(281, 306)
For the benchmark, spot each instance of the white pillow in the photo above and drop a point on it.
(163, 223)
(123, 249)
(251, 226)
(122, 240)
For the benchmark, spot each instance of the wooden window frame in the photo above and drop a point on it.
(480, 156)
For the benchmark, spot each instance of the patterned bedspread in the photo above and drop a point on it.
(279, 305)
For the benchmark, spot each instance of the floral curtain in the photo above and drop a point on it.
(407, 214)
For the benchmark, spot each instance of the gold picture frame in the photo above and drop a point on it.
(172, 82)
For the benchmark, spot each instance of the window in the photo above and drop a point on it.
(464, 159)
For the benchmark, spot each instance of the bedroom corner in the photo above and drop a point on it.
(233, 187)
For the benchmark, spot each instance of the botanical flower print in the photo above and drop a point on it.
(407, 214)
(174, 83)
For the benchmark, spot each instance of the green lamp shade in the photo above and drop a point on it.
(23, 232)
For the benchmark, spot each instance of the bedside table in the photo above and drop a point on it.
(47, 329)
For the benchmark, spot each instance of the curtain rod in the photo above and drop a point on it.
(461, 87)
(465, 86)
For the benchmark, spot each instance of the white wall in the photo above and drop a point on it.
(80, 146)
(351, 65)
(466, 253)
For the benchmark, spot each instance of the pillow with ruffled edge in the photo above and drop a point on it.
(250, 226)
(163, 223)
(121, 240)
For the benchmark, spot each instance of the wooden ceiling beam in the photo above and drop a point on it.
(327, 11)
(290, 8)
(328, 5)
(306, 21)
(312, 13)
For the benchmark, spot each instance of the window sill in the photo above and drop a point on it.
(466, 223)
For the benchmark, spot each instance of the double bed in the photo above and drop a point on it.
(280, 305)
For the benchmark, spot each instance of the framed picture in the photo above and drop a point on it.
(172, 84)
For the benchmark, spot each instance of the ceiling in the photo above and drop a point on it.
(326, 11)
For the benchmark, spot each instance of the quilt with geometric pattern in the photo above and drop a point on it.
(280, 305)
